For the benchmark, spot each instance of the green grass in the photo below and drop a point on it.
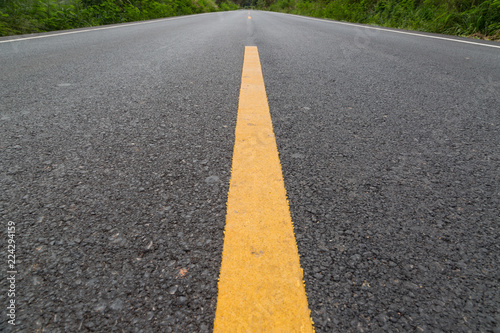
(29, 16)
(480, 18)
(454, 17)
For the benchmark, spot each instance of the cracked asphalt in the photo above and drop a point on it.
(115, 160)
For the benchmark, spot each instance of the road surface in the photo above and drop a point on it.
(116, 148)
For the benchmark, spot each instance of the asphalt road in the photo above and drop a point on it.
(115, 159)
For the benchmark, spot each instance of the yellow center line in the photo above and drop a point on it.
(261, 286)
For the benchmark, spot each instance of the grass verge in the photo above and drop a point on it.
(472, 18)
(30, 16)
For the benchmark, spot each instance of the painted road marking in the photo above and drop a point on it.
(114, 26)
(389, 30)
(261, 286)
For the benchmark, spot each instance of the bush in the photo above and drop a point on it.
(28, 16)
(459, 17)
(225, 6)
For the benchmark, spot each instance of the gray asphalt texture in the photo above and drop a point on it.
(115, 160)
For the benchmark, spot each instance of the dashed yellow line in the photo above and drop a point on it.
(261, 286)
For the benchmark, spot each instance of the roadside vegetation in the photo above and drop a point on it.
(28, 16)
(478, 18)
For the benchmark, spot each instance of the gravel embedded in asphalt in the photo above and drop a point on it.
(115, 160)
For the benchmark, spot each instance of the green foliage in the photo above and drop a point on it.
(459, 17)
(28, 16)
(225, 6)
(4, 28)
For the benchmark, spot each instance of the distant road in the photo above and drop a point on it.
(116, 147)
